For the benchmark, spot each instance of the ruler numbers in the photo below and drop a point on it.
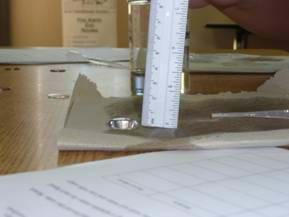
(168, 20)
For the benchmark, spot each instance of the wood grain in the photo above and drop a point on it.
(217, 82)
(213, 83)
(30, 122)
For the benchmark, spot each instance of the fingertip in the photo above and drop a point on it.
(198, 3)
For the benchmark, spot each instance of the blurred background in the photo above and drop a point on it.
(41, 23)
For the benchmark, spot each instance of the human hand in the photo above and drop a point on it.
(217, 3)
(198, 3)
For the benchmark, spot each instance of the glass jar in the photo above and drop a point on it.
(139, 13)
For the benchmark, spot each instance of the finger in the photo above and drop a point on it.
(224, 3)
(198, 3)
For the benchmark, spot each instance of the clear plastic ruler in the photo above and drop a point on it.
(168, 20)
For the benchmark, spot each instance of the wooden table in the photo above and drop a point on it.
(29, 121)
(216, 82)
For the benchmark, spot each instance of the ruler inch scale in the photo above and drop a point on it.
(166, 42)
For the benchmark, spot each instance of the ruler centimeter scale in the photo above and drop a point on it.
(168, 20)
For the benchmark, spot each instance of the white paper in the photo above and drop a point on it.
(88, 23)
(53, 55)
(32, 56)
(227, 183)
(106, 54)
(234, 62)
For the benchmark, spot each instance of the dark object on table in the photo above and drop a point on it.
(4, 23)
(241, 35)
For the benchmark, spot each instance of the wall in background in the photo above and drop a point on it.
(38, 23)
(4, 23)
(201, 37)
(205, 39)
(122, 23)
(35, 23)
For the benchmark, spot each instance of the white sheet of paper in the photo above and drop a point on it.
(88, 23)
(227, 183)
(106, 54)
(239, 63)
(32, 56)
(61, 55)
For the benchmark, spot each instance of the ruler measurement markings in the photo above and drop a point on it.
(163, 75)
(166, 96)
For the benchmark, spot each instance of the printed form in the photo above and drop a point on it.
(218, 183)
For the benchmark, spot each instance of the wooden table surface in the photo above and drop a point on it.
(30, 121)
